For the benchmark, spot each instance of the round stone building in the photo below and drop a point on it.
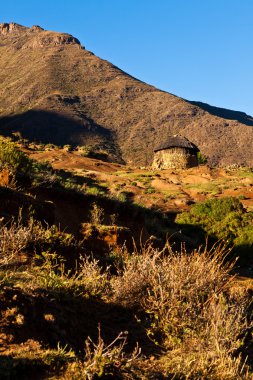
(176, 153)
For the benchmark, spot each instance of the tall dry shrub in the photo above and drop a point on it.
(14, 238)
(189, 310)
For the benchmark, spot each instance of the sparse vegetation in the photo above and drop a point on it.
(179, 305)
(183, 301)
(95, 190)
(67, 147)
(102, 360)
(14, 238)
(189, 310)
(150, 190)
(85, 150)
(89, 288)
(202, 159)
(88, 281)
(50, 147)
(96, 214)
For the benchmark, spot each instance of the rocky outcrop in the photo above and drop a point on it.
(36, 28)
(45, 38)
(37, 36)
(11, 27)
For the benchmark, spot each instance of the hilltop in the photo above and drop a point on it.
(53, 90)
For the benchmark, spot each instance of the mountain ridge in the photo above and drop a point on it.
(53, 90)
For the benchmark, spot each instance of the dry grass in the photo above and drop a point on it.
(89, 280)
(102, 360)
(14, 238)
(190, 313)
(182, 300)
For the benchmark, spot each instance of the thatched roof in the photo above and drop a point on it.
(177, 142)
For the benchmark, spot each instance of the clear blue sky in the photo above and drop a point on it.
(197, 49)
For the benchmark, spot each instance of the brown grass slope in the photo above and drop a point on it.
(53, 90)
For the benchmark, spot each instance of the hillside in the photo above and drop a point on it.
(53, 90)
(114, 272)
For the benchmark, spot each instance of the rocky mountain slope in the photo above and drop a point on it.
(55, 91)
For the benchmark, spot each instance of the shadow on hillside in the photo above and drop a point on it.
(73, 208)
(56, 128)
(225, 113)
(24, 368)
(59, 318)
(16, 204)
(51, 127)
(88, 180)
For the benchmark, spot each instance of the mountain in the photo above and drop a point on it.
(53, 90)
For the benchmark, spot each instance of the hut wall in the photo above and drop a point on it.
(174, 158)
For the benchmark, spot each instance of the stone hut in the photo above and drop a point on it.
(177, 152)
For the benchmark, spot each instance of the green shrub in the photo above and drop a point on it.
(223, 218)
(67, 148)
(13, 159)
(94, 190)
(85, 150)
(50, 147)
(22, 167)
(123, 196)
(202, 159)
(150, 190)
